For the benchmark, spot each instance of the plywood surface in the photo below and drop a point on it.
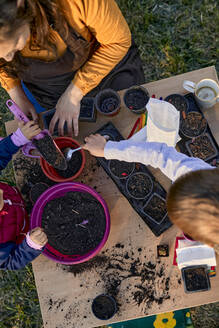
(128, 263)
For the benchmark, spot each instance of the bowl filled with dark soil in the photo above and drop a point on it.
(202, 147)
(139, 185)
(76, 220)
(178, 101)
(193, 125)
(136, 99)
(121, 169)
(104, 307)
(74, 166)
(108, 102)
(155, 208)
(196, 278)
(37, 190)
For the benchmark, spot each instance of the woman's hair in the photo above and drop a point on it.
(40, 14)
(193, 205)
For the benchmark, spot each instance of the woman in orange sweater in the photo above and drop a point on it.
(62, 50)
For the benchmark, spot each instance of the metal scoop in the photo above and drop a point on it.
(58, 161)
(68, 152)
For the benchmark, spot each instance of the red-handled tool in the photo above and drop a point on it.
(52, 154)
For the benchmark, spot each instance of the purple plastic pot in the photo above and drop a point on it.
(57, 191)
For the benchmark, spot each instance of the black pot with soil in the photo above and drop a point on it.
(104, 307)
(139, 185)
(136, 99)
(193, 125)
(155, 208)
(196, 278)
(202, 147)
(178, 101)
(120, 169)
(108, 102)
(74, 223)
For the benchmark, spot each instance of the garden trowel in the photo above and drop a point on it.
(43, 141)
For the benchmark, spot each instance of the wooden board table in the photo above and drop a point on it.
(66, 293)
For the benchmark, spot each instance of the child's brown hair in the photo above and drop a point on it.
(193, 205)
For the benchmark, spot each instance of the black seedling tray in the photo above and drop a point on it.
(87, 114)
(183, 143)
(138, 204)
(195, 278)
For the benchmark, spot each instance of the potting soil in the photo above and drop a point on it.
(178, 101)
(202, 147)
(193, 125)
(195, 279)
(156, 208)
(50, 153)
(139, 185)
(74, 223)
(136, 99)
(37, 190)
(73, 166)
(121, 169)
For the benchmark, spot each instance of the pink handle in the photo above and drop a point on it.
(15, 109)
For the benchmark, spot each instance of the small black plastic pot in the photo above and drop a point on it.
(193, 125)
(104, 307)
(139, 185)
(206, 143)
(120, 169)
(154, 210)
(195, 278)
(107, 102)
(136, 99)
(178, 101)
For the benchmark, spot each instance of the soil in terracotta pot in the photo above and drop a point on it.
(74, 223)
(195, 279)
(136, 99)
(103, 307)
(156, 208)
(50, 153)
(193, 125)
(73, 166)
(109, 104)
(202, 147)
(139, 185)
(37, 190)
(178, 101)
(121, 169)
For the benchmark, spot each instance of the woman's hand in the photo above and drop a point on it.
(38, 236)
(18, 96)
(29, 129)
(95, 145)
(67, 110)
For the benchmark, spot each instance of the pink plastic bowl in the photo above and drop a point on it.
(57, 191)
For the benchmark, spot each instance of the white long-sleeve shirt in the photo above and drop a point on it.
(172, 163)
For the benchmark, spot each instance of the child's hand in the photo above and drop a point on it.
(1, 199)
(29, 129)
(95, 145)
(38, 236)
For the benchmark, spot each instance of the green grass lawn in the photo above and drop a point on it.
(173, 37)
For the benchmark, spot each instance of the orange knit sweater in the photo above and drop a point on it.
(101, 19)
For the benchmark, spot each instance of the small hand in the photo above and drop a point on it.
(29, 129)
(67, 110)
(95, 145)
(1, 199)
(38, 236)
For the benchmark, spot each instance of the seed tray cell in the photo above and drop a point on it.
(122, 182)
(155, 208)
(87, 114)
(185, 142)
(204, 146)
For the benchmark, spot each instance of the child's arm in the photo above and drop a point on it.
(172, 163)
(15, 257)
(10, 145)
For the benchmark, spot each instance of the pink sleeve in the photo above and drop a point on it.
(31, 243)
